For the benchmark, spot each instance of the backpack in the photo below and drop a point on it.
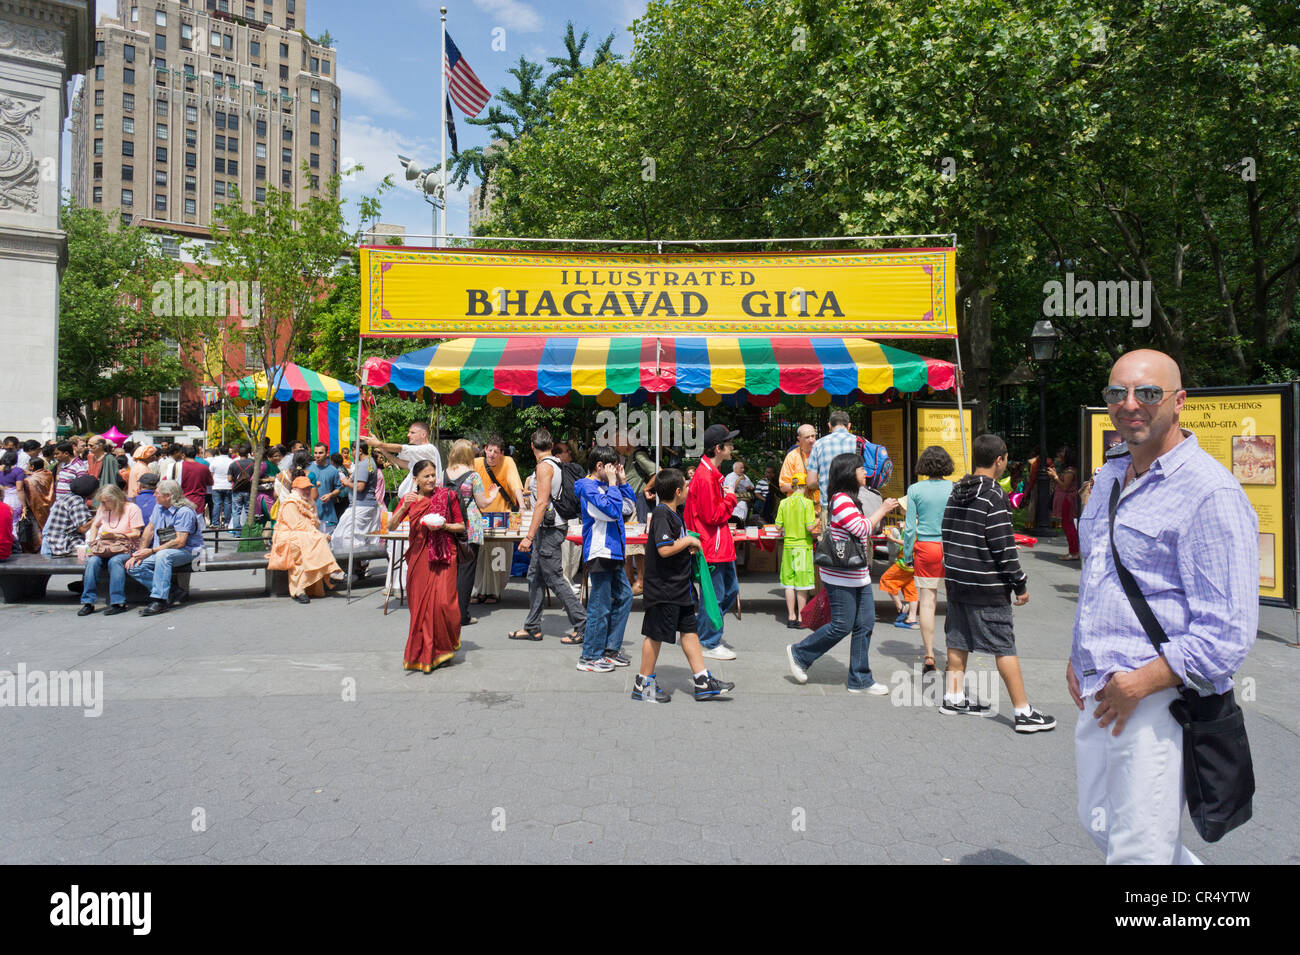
(241, 475)
(464, 489)
(566, 504)
(875, 458)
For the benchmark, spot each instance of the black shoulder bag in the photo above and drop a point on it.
(1218, 774)
(835, 555)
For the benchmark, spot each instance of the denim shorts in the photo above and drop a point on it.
(980, 628)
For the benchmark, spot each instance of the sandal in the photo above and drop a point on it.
(523, 635)
(490, 599)
(479, 598)
(572, 639)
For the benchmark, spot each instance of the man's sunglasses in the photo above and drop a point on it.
(1147, 394)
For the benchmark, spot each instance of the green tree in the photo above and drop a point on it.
(111, 343)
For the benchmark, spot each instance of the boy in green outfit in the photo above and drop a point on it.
(797, 517)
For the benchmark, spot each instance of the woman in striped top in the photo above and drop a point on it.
(849, 591)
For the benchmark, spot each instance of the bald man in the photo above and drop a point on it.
(796, 462)
(1188, 536)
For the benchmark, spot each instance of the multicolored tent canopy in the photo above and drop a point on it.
(624, 366)
(332, 414)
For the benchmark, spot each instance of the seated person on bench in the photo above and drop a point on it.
(171, 539)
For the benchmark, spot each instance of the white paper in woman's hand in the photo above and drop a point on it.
(434, 520)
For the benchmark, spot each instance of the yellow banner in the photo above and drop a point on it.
(939, 426)
(887, 429)
(895, 293)
(1243, 432)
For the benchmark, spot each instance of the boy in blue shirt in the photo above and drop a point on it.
(605, 501)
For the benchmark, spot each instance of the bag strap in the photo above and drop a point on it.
(1155, 632)
(492, 474)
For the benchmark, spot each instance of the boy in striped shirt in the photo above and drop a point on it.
(981, 570)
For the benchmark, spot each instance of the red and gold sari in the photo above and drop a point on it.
(431, 584)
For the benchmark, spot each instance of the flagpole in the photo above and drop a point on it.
(442, 129)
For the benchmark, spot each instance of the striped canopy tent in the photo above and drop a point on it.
(329, 405)
(709, 370)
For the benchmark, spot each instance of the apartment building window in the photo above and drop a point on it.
(284, 92)
(315, 96)
(286, 178)
(261, 172)
(325, 67)
(232, 167)
(160, 131)
(289, 24)
(169, 408)
(284, 72)
(99, 147)
(315, 182)
(219, 142)
(128, 76)
(190, 160)
(315, 160)
(259, 151)
(266, 16)
(160, 41)
(99, 72)
(232, 121)
(128, 173)
(315, 139)
(315, 64)
(128, 53)
(160, 17)
(187, 32)
(191, 137)
(160, 203)
(128, 102)
(219, 188)
(160, 177)
(160, 107)
(219, 120)
(128, 148)
(160, 154)
(126, 219)
(252, 356)
(284, 49)
(286, 155)
(254, 47)
(128, 197)
(315, 117)
(259, 194)
(287, 136)
(99, 120)
(257, 86)
(190, 184)
(289, 5)
(99, 194)
(214, 38)
(99, 49)
(189, 207)
(250, 11)
(261, 127)
(232, 144)
(219, 164)
(227, 42)
(191, 114)
(99, 97)
(99, 170)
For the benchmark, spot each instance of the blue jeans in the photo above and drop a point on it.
(239, 510)
(155, 571)
(116, 578)
(609, 602)
(852, 609)
(727, 589)
(221, 506)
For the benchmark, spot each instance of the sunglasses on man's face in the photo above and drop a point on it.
(1146, 394)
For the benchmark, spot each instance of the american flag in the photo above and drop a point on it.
(467, 91)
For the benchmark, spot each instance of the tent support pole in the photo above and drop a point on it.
(961, 415)
(658, 419)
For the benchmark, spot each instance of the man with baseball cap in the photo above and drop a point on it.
(707, 513)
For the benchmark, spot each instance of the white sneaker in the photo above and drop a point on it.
(796, 671)
(876, 689)
(720, 652)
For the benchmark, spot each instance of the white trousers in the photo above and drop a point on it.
(570, 554)
(1131, 795)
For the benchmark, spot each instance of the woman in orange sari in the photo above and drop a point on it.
(435, 516)
(299, 547)
(36, 495)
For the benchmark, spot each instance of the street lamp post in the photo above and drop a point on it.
(1043, 341)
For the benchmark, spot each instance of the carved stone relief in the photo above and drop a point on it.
(20, 169)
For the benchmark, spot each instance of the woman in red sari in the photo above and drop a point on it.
(435, 516)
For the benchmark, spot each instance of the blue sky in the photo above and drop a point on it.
(389, 74)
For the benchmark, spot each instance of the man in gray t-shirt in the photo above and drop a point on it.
(360, 522)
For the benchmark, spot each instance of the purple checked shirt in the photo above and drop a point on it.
(1189, 536)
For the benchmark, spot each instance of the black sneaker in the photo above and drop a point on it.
(966, 706)
(647, 690)
(1035, 722)
(708, 686)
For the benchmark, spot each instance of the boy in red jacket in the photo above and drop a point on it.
(708, 512)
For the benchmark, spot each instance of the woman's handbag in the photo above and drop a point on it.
(26, 536)
(1218, 773)
(99, 547)
(839, 555)
(817, 612)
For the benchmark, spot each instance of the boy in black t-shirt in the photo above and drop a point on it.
(669, 598)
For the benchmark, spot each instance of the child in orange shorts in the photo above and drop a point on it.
(899, 579)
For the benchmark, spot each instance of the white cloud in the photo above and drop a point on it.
(511, 14)
(370, 93)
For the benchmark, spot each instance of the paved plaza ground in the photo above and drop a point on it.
(227, 735)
